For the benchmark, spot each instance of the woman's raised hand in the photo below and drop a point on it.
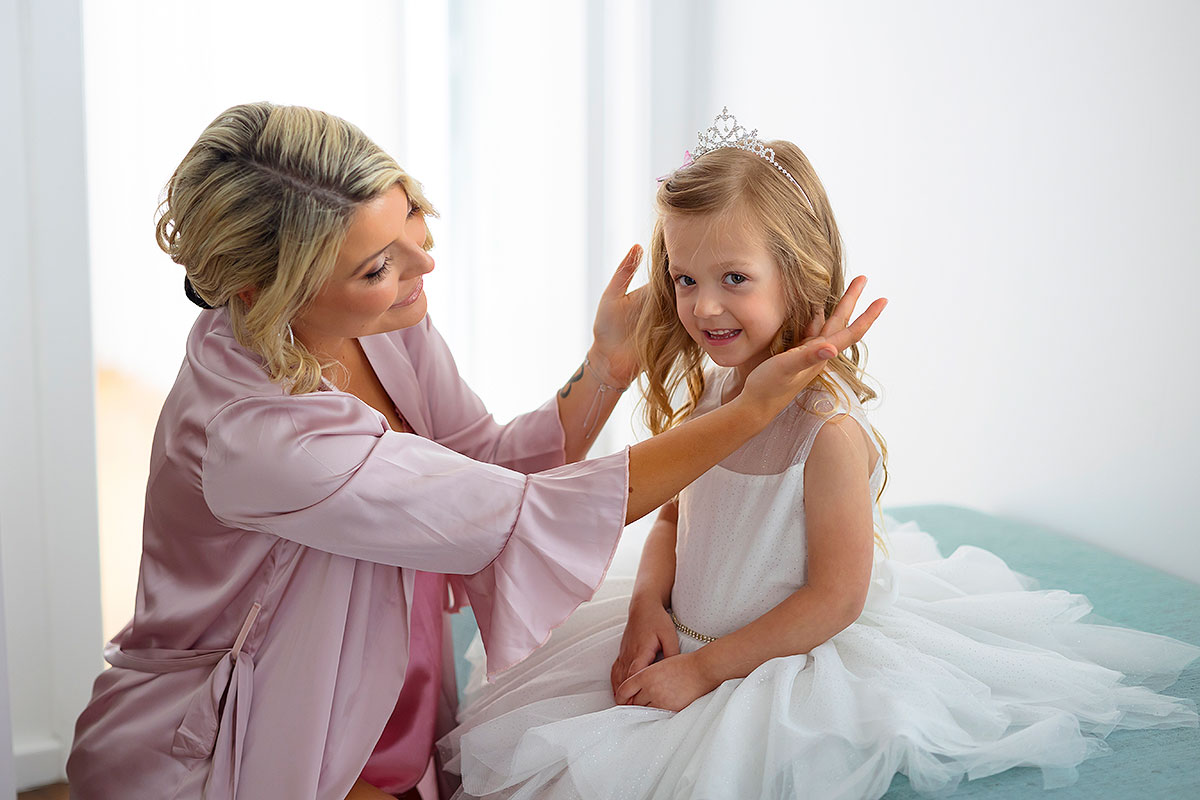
(612, 352)
(777, 381)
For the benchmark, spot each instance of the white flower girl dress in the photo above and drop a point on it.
(956, 668)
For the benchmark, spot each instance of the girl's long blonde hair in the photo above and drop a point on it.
(263, 201)
(800, 233)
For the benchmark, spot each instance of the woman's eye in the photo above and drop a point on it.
(413, 209)
(377, 275)
(736, 278)
(684, 280)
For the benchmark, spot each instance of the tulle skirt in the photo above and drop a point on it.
(956, 668)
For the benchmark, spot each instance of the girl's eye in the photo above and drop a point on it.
(736, 278)
(377, 275)
(684, 280)
(413, 209)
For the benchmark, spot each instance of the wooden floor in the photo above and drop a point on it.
(56, 792)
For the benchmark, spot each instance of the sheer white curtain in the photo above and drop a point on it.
(47, 473)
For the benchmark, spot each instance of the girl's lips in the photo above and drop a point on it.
(722, 337)
(412, 298)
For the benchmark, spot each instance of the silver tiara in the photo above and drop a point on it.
(726, 131)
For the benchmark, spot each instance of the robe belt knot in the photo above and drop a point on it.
(221, 702)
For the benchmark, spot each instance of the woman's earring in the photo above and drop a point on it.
(291, 337)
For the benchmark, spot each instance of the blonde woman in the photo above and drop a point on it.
(767, 648)
(323, 485)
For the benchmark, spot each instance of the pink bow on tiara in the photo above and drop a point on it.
(687, 162)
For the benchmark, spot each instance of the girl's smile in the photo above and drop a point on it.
(720, 338)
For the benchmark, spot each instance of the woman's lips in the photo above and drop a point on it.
(412, 298)
(722, 336)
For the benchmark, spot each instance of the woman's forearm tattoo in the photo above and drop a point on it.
(566, 390)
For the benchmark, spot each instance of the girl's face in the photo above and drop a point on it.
(376, 285)
(728, 289)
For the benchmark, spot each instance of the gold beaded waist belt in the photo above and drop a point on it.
(686, 631)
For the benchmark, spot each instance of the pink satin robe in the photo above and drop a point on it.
(281, 540)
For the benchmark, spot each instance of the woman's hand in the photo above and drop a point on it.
(612, 352)
(648, 631)
(777, 381)
(672, 683)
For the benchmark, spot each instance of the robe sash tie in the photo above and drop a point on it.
(221, 702)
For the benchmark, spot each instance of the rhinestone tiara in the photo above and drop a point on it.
(726, 131)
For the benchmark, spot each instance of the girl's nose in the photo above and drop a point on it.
(707, 305)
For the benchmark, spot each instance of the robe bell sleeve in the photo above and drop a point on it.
(566, 535)
(324, 470)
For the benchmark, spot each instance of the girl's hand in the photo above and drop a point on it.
(648, 631)
(777, 381)
(672, 683)
(612, 352)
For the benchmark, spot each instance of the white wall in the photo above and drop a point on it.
(1020, 179)
(47, 475)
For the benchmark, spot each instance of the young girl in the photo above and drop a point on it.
(772, 646)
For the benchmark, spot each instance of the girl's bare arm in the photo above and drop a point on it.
(649, 628)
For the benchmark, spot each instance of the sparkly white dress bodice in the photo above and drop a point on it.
(741, 546)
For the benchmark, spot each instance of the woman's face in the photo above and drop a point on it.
(376, 285)
(728, 290)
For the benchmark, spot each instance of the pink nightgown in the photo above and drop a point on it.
(282, 542)
(403, 750)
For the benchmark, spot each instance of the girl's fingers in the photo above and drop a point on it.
(670, 644)
(626, 691)
(639, 664)
(625, 272)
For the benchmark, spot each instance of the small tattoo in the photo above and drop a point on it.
(566, 390)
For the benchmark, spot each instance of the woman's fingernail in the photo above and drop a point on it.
(827, 352)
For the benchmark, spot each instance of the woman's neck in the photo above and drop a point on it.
(341, 351)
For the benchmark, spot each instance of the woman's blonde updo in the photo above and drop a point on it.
(263, 201)
(739, 187)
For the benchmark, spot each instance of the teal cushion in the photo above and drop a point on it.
(1144, 764)
(463, 630)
